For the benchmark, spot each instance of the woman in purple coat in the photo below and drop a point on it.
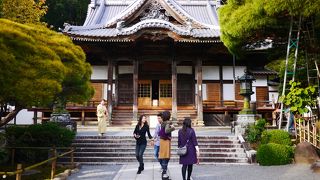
(187, 136)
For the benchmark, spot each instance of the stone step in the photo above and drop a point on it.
(173, 138)
(110, 145)
(131, 140)
(128, 149)
(121, 149)
(151, 154)
(152, 159)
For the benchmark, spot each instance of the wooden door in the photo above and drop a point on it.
(98, 91)
(125, 89)
(144, 93)
(185, 89)
(213, 94)
(262, 96)
(165, 91)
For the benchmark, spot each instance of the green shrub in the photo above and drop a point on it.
(3, 152)
(40, 135)
(274, 154)
(253, 132)
(276, 136)
(260, 124)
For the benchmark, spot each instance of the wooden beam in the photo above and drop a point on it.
(174, 91)
(109, 90)
(135, 92)
(199, 88)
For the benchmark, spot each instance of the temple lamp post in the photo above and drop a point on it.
(246, 91)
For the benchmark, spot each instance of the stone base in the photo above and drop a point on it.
(242, 121)
(64, 120)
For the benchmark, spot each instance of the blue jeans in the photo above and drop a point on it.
(156, 152)
(164, 164)
(140, 148)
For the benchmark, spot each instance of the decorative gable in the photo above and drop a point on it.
(129, 20)
(146, 10)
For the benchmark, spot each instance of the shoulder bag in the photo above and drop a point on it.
(182, 151)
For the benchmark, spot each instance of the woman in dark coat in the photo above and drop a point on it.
(140, 135)
(187, 136)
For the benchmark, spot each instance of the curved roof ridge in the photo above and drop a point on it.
(176, 6)
(150, 23)
(126, 12)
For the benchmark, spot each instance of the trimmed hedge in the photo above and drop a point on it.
(40, 135)
(49, 134)
(274, 154)
(276, 136)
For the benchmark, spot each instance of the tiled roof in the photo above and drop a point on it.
(198, 20)
(263, 72)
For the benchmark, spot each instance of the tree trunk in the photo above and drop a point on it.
(10, 116)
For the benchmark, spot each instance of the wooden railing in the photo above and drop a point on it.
(306, 131)
(235, 104)
(86, 104)
(53, 160)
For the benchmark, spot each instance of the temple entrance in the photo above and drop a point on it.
(154, 93)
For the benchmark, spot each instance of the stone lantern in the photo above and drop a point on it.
(246, 92)
(245, 116)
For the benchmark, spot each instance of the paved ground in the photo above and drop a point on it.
(201, 172)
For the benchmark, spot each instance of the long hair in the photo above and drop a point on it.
(140, 120)
(186, 124)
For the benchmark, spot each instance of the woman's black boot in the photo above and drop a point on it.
(139, 170)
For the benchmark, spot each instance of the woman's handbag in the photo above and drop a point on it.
(182, 151)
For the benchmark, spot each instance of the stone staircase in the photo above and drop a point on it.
(121, 149)
(123, 117)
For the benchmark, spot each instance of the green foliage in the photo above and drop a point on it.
(3, 152)
(274, 154)
(299, 98)
(41, 135)
(4, 156)
(248, 21)
(39, 66)
(253, 132)
(69, 11)
(23, 11)
(276, 136)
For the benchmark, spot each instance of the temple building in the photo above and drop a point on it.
(153, 55)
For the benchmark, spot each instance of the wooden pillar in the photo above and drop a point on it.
(174, 114)
(35, 116)
(135, 92)
(82, 118)
(109, 92)
(116, 84)
(221, 85)
(199, 92)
